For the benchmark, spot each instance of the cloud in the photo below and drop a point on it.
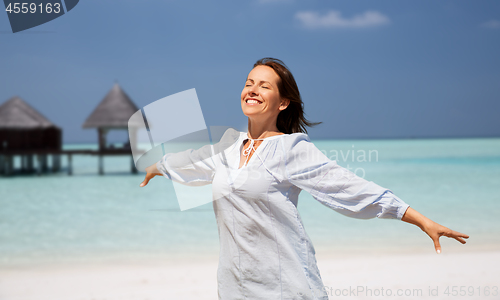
(492, 24)
(334, 19)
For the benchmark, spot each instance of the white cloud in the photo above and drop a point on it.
(493, 24)
(334, 19)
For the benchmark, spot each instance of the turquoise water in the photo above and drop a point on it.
(87, 217)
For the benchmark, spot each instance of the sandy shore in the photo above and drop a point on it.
(415, 276)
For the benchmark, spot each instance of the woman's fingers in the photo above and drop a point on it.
(145, 182)
(151, 172)
(437, 246)
(147, 179)
(443, 231)
(457, 236)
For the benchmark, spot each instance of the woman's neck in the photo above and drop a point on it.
(261, 130)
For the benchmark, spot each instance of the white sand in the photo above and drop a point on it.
(416, 276)
(196, 279)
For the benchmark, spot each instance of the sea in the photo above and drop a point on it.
(87, 217)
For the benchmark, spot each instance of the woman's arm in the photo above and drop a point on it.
(433, 229)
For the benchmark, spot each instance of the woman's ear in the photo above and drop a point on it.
(284, 104)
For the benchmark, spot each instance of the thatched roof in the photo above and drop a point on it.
(114, 110)
(17, 114)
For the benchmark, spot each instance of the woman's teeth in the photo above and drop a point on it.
(253, 101)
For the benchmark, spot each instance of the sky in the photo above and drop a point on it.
(366, 69)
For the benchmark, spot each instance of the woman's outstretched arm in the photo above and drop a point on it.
(433, 229)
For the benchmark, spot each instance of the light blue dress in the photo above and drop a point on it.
(265, 252)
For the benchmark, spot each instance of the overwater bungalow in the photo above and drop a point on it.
(112, 113)
(26, 133)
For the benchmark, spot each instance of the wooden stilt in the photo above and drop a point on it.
(56, 162)
(39, 164)
(70, 164)
(102, 132)
(2, 164)
(9, 165)
(101, 166)
(29, 163)
(44, 161)
(23, 163)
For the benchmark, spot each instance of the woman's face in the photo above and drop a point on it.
(260, 96)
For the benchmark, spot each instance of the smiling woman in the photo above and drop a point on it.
(265, 252)
(279, 81)
(261, 96)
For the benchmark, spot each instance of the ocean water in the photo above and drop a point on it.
(57, 218)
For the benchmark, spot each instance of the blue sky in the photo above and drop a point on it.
(366, 69)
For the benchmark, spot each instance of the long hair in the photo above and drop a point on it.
(291, 119)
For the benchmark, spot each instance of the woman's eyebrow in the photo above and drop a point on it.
(262, 81)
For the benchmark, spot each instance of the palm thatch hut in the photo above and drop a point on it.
(24, 131)
(112, 113)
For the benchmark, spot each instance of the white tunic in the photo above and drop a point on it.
(265, 252)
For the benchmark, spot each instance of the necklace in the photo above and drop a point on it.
(249, 149)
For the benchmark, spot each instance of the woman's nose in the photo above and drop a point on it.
(253, 90)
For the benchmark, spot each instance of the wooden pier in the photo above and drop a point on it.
(27, 134)
(28, 157)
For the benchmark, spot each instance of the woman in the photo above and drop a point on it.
(265, 252)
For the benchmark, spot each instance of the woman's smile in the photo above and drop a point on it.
(253, 101)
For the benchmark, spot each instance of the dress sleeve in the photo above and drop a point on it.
(189, 167)
(336, 187)
(197, 167)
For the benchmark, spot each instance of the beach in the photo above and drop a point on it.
(103, 237)
(474, 275)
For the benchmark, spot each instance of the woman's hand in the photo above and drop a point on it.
(151, 172)
(433, 229)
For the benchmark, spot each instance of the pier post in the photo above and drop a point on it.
(23, 163)
(70, 164)
(2, 164)
(29, 163)
(56, 162)
(9, 164)
(44, 162)
(39, 164)
(101, 166)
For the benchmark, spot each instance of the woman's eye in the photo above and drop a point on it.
(265, 87)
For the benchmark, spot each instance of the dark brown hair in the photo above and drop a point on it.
(291, 119)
